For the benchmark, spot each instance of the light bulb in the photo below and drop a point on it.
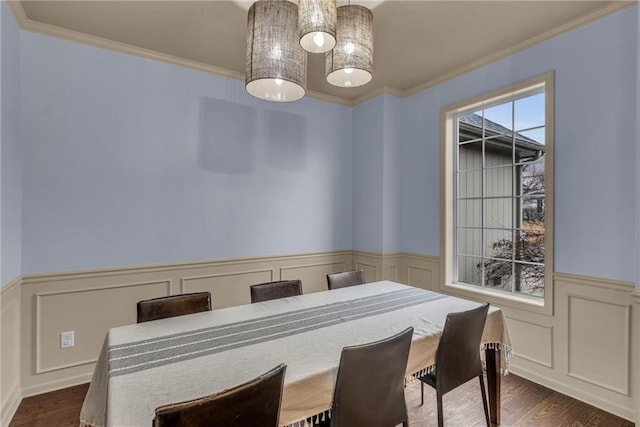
(349, 47)
(348, 70)
(318, 39)
(278, 81)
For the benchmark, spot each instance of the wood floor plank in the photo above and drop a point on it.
(524, 403)
(56, 409)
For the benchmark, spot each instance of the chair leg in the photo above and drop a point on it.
(421, 393)
(440, 413)
(484, 400)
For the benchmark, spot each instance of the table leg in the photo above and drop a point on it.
(492, 356)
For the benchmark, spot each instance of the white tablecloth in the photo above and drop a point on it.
(147, 365)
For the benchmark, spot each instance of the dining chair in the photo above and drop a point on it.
(173, 305)
(345, 278)
(458, 357)
(275, 290)
(255, 403)
(370, 384)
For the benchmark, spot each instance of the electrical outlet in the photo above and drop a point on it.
(66, 339)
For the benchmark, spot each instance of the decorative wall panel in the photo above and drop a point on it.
(599, 343)
(532, 342)
(81, 311)
(313, 276)
(227, 289)
(10, 393)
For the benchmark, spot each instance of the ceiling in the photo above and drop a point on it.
(417, 43)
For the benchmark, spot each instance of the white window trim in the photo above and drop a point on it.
(447, 220)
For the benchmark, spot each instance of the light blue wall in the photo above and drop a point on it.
(2, 13)
(392, 177)
(377, 175)
(637, 259)
(129, 161)
(10, 151)
(368, 142)
(595, 218)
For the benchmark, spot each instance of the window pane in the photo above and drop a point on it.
(499, 119)
(470, 156)
(470, 270)
(529, 279)
(532, 212)
(470, 241)
(531, 137)
(529, 153)
(470, 213)
(498, 181)
(532, 179)
(498, 151)
(470, 184)
(470, 126)
(498, 244)
(530, 246)
(498, 274)
(529, 112)
(498, 213)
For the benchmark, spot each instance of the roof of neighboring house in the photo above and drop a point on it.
(471, 125)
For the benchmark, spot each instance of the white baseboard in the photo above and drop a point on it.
(11, 401)
(56, 385)
(576, 393)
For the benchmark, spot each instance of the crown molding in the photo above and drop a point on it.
(51, 30)
(328, 98)
(380, 91)
(18, 11)
(87, 39)
(582, 20)
(27, 24)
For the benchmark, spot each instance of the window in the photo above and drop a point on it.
(497, 192)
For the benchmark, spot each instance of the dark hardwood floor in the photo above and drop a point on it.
(523, 404)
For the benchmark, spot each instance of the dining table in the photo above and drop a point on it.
(143, 366)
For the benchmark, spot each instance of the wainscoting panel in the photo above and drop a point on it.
(603, 361)
(588, 348)
(592, 342)
(313, 276)
(69, 310)
(423, 271)
(10, 393)
(372, 264)
(531, 341)
(227, 289)
(420, 277)
(91, 302)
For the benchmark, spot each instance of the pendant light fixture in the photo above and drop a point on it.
(276, 64)
(317, 25)
(350, 63)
